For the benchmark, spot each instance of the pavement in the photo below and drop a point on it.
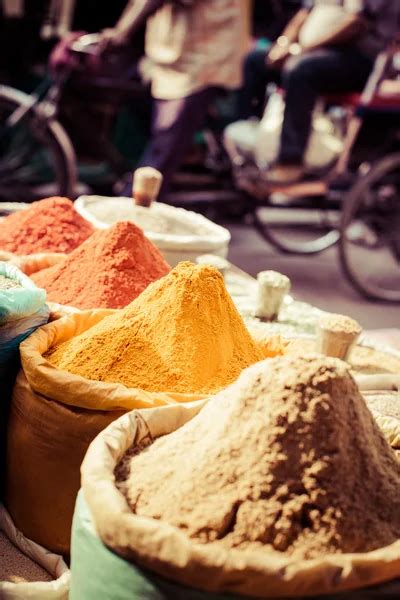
(316, 279)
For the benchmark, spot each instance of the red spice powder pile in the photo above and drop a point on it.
(50, 225)
(108, 271)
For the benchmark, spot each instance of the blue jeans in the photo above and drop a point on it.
(174, 124)
(304, 78)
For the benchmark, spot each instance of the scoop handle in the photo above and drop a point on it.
(146, 186)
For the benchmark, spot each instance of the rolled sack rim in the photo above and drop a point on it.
(215, 237)
(75, 390)
(167, 551)
(53, 563)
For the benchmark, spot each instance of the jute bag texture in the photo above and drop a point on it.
(168, 552)
(98, 573)
(54, 416)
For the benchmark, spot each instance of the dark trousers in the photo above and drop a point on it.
(304, 78)
(174, 123)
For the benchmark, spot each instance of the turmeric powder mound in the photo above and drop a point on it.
(182, 334)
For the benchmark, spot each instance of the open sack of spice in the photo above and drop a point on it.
(32, 263)
(282, 485)
(179, 341)
(180, 234)
(22, 311)
(28, 571)
(49, 225)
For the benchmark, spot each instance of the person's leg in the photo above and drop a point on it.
(174, 123)
(305, 78)
(256, 76)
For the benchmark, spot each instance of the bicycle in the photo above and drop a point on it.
(370, 232)
(308, 220)
(37, 156)
(311, 223)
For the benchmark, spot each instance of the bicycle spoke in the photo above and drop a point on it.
(298, 230)
(370, 247)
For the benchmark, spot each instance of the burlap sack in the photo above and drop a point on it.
(54, 417)
(168, 552)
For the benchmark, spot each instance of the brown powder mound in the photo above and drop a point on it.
(109, 270)
(182, 334)
(287, 459)
(50, 225)
(16, 567)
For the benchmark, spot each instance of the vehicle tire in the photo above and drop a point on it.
(36, 156)
(307, 225)
(370, 232)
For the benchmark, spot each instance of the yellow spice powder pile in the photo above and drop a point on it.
(182, 334)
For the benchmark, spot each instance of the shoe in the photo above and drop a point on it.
(285, 174)
(363, 235)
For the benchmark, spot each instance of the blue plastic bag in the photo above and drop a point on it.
(22, 311)
(19, 302)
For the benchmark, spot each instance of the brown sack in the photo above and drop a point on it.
(46, 443)
(167, 551)
(54, 417)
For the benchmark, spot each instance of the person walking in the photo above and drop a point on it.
(193, 48)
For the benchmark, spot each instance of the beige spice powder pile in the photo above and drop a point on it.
(287, 459)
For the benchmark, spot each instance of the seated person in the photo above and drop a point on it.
(328, 47)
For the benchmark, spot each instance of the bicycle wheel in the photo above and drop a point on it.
(308, 224)
(36, 155)
(370, 232)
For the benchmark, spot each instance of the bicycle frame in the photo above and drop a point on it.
(356, 121)
(47, 95)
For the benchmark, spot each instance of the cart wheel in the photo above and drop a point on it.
(306, 222)
(370, 232)
(36, 155)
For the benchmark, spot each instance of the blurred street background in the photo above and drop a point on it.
(103, 123)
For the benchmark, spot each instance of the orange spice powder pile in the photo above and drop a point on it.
(109, 270)
(50, 225)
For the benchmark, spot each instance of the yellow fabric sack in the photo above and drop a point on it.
(32, 263)
(37, 262)
(46, 443)
(54, 417)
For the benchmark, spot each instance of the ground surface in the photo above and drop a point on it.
(315, 279)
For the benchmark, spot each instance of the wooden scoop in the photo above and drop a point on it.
(146, 185)
(336, 335)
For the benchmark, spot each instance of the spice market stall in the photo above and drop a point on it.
(245, 444)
